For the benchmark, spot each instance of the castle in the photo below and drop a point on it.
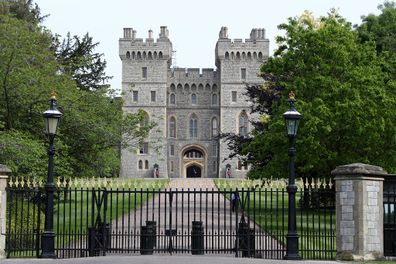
(189, 106)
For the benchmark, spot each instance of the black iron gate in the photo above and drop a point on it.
(248, 221)
(390, 215)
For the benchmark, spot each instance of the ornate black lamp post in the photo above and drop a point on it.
(51, 118)
(292, 118)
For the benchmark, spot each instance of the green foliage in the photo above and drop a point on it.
(77, 57)
(347, 109)
(90, 134)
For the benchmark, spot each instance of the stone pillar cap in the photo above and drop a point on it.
(4, 170)
(358, 168)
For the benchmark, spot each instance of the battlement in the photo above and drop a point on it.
(254, 47)
(132, 47)
(193, 73)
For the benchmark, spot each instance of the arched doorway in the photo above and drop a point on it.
(193, 171)
(193, 162)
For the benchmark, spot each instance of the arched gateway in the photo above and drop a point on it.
(193, 159)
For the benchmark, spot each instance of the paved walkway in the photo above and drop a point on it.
(178, 212)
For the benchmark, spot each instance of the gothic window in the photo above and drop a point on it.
(243, 55)
(155, 55)
(232, 55)
(193, 126)
(193, 99)
(160, 55)
(144, 72)
(128, 55)
(254, 55)
(172, 98)
(249, 55)
(234, 96)
(144, 55)
(145, 119)
(172, 150)
(214, 127)
(214, 168)
(135, 96)
(153, 96)
(227, 55)
(243, 124)
(143, 148)
(214, 149)
(260, 55)
(214, 99)
(133, 55)
(172, 127)
(139, 55)
(146, 164)
(193, 154)
(243, 73)
(140, 165)
(150, 56)
(238, 55)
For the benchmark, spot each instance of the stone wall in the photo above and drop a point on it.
(359, 211)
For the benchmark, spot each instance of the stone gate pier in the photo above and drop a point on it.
(359, 211)
(4, 171)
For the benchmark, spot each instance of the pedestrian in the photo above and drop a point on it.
(234, 200)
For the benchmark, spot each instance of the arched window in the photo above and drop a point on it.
(160, 55)
(215, 127)
(193, 126)
(146, 164)
(172, 127)
(232, 55)
(254, 55)
(133, 55)
(214, 99)
(128, 55)
(172, 99)
(243, 55)
(238, 55)
(144, 55)
(139, 55)
(193, 99)
(249, 55)
(145, 119)
(155, 55)
(227, 55)
(140, 165)
(260, 55)
(243, 124)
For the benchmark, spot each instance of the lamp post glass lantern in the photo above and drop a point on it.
(292, 118)
(51, 118)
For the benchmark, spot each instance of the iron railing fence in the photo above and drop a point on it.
(390, 215)
(109, 220)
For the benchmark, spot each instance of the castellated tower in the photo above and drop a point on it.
(190, 106)
(238, 63)
(145, 66)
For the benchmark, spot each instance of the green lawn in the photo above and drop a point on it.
(268, 207)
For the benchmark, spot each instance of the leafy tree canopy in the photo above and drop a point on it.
(348, 110)
(92, 126)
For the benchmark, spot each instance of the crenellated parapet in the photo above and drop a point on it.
(256, 47)
(133, 48)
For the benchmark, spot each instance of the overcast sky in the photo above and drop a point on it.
(193, 25)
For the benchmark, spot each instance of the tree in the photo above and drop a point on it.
(77, 58)
(92, 125)
(23, 10)
(347, 110)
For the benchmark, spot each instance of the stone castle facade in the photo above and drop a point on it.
(190, 106)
